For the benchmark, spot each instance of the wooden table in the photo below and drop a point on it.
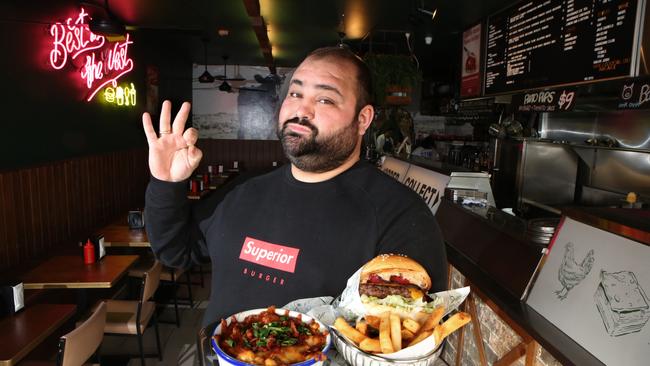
(71, 272)
(22, 332)
(118, 234)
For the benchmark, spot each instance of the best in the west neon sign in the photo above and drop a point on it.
(101, 66)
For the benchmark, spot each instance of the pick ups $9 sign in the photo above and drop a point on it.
(269, 255)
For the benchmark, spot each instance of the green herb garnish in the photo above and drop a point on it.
(289, 341)
(303, 329)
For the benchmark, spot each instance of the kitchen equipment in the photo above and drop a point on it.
(457, 194)
(471, 181)
(529, 171)
(454, 156)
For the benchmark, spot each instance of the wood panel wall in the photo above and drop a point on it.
(250, 154)
(47, 208)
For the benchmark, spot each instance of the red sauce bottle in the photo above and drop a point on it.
(89, 253)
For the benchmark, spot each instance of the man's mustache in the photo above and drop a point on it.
(301, 121)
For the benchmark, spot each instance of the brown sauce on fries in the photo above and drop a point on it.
(272, 339)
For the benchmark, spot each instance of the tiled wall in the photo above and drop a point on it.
(498, 337)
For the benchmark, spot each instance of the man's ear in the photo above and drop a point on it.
(365, 117)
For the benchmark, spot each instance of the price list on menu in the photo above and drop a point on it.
(540, 43)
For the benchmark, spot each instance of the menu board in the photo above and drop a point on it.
(539, 43)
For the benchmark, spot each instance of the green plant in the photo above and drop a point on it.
(391, 70)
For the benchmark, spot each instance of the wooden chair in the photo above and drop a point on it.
(77, 346)
(131, 318)
(170, 276)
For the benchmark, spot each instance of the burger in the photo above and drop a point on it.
(395, 283)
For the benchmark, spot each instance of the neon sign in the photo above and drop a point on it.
(122, 96)
(101, 66)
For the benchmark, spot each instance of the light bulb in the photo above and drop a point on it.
(428, 40)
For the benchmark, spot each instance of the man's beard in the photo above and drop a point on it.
(311, 154)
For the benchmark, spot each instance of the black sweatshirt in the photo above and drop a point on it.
(274, 239)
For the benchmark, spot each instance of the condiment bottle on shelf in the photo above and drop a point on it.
(89, 253)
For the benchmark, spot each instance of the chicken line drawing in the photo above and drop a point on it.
(571, 273)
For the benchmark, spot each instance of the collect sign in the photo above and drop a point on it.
(428, 184)
(470, 84)
(395, 168)
(100, 66)
(560, 100)
(634, 94)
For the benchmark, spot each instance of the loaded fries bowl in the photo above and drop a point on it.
(271, 337)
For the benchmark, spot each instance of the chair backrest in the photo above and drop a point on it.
(76, 347)
(151, 281)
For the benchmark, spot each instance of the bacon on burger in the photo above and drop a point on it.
(396, 283)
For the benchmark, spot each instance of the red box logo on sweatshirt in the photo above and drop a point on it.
(269, 255)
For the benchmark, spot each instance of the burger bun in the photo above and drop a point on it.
(387, 265)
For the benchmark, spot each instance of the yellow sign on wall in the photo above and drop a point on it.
(121, 96)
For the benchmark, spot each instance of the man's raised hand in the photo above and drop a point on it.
(172, 155)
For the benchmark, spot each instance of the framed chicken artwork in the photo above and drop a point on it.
(594, 286)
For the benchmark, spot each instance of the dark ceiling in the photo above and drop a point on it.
(297, 26)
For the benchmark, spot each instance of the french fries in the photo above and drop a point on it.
(370, 345)
(420, 337)
(372, 321)
(384, 334)
(407, 335)
(427, 327)
(450, 325)
(342, 326)
(396, 334)
(411, 325)
(433, 319)
(362, 326)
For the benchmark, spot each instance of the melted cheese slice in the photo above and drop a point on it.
(415, 293)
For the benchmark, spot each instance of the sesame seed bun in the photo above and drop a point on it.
(387, 265)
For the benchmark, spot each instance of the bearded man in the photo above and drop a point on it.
(303, 229)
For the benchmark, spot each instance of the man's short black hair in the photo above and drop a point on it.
(364, 82)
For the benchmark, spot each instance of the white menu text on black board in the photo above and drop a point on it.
(540, 43)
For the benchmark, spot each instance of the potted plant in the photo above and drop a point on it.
(393, 78)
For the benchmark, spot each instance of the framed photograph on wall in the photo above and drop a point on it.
(470, 82)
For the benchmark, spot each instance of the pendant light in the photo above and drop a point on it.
(206, 77)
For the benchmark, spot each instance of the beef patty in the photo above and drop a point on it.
(381, 290)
